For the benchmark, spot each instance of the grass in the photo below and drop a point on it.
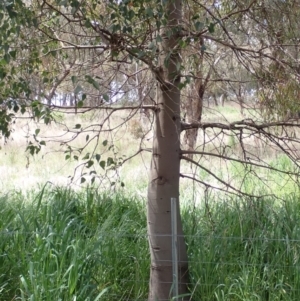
(70, 246)
(64, 245)
(245, 250)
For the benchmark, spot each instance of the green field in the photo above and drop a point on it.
(64, 245)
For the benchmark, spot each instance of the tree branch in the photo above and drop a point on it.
(238, 193)
(238, 125)
(240, 161)
(217, 178)
(84, 109)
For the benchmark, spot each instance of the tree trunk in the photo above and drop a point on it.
(195, 101)
(194, 113)
(164, 184)
(165, 166)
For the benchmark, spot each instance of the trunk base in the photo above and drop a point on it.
(163, 275)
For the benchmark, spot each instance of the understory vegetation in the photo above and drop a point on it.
(57, 244)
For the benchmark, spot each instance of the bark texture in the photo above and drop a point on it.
(165, 165)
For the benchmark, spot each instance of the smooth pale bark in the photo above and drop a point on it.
(165, 166)
(163, 186)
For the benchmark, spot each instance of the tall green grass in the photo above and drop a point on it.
(64, 245)
(67, 246)
(245, 249)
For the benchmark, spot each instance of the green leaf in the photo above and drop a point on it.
(47, 119)
(131, 14)
(158, 24)
(199, 26)
(149, 12)
(127, 29)
(152, 45)
(182, 43)
(211, 27)
(89, 163)
(105, 97)
(16, 108)
(102, 164)
(74, 79)
(80, 104)
(77, 90)
(33, 149)
(113, 16)
(2, 74)
(91, 81)
(110, 161)
(182, 85)
(37, 131)
(141, 53)
(115, 28)
(45, 49)
(12, 14)
(87, 156)
(13, 54)
(6, 58)
(87, 138)
(53, 53)
(98, 157)
(104, 143)
(77, 126)
(82, 180)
